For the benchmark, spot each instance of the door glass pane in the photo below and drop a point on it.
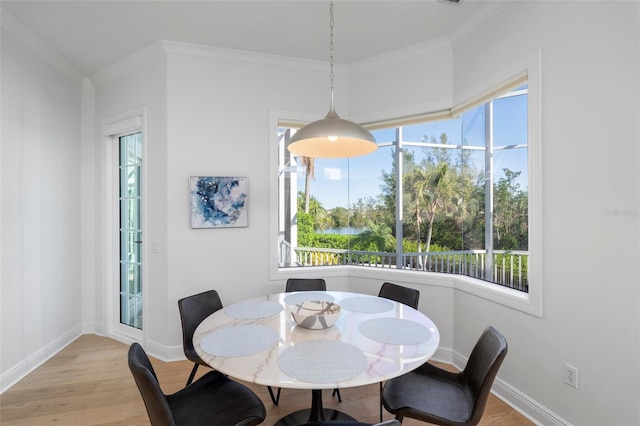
(130, 231)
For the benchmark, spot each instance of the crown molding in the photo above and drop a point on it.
(171, 49)
(245, 58)
(143, 57)
(478, 20)
(16, 28)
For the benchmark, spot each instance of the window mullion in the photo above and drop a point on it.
(399, 200)
(488, 190)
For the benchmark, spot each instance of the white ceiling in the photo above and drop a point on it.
(91, 35)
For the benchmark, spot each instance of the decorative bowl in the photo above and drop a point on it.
(315, 314)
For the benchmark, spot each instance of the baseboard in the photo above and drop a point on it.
(164, 353)
(444, 355)
(523, 404)
(92, 328)
(526, 406)
(20, 371)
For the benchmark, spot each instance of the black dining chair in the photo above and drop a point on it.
(405, 295)
(434, 395)
(193, 310)
(351, 423)
(305, 284)
(212, 399)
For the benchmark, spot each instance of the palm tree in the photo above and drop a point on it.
(309, 169)
(430, 193)
(377, 237)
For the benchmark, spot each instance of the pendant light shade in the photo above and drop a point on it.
(332, 137)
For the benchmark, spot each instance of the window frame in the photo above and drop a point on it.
(527, 69)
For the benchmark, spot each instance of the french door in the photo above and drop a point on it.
(130, 229)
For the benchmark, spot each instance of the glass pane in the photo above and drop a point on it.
(130, 235)
(510, 121)
(384, 135)
(471, 208)
(432, 193)
(131, 247)
(473, 127)
(326, 180)
(432, 132)
(130, 181)
(510, 200)
(372, 200)
(130, 213)
(133, 149)
(138, 147)
(131, 311)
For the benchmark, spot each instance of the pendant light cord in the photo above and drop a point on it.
(331, 52)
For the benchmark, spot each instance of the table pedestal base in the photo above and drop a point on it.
(315, 414)
(304, 416)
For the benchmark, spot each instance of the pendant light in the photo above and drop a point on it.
(332, 137)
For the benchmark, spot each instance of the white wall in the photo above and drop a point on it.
(40, 156)
(591, 306)
(401, 84)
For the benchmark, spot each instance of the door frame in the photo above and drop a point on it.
(113, 128)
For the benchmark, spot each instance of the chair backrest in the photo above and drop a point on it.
(306, 284)
(352, 423)
(398, 293)
(481, 369)
(193, 310)
(154, 399)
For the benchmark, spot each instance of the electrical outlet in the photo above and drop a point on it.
(571, 375)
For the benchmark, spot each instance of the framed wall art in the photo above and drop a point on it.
(218, 201)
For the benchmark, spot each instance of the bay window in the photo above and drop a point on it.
(447, 195)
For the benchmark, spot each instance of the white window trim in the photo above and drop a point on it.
(112, 128)
(530, 302)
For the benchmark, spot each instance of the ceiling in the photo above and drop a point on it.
(91, 35)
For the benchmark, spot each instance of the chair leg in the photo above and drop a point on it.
(380, 402)
(274, 399)
(193, 373)
(336, 391)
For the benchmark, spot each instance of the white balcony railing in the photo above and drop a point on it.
(508, 268)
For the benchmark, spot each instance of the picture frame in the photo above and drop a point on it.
(218, 202)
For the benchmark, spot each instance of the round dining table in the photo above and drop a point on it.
(258, 341)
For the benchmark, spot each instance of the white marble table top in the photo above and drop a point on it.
(373, 340)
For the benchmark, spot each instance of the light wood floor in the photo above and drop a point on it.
(89, 383)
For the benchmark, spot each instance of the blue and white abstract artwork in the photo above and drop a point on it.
(218, 202)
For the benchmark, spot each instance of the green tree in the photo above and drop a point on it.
(431, 190)
(320, 217)
(471, 214)
(510, 213)
(305, 229)
(339, 217)
(387, 197)
(376, 237)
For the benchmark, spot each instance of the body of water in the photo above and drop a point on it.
(347, 230)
